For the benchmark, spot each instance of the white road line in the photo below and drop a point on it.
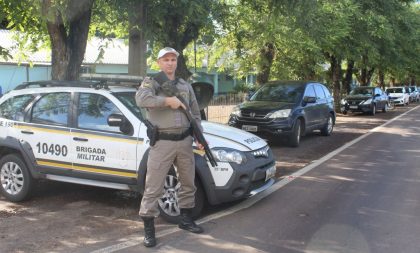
(135, 240)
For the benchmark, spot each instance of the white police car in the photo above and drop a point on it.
(85, 133)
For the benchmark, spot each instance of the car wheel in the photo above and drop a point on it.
(294, 139)
(373, 112)
(168, 203)
(385, 109)
(15, 179)
(344, 112)
(328, 128)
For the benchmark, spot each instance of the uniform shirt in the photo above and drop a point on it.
(151, 97)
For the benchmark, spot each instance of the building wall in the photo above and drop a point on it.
(12, 75)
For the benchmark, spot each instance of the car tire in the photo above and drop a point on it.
(329, 126)
(385, 109)
(344, 112)
(373, 112)
(16, 182)
(168, 204)
(294, 139)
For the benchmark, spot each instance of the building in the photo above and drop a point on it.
(104, 56)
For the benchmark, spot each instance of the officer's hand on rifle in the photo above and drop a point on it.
(174, 103)
(199, 145)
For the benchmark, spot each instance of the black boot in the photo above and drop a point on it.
(149, 231)
(186, 222)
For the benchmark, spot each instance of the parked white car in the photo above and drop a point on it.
(398, 95)
(416, 93)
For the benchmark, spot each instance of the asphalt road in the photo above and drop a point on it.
(363, 199)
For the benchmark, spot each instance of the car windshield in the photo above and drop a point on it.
(362, 91)
(128, 99)
(394, 90)
(289, 93)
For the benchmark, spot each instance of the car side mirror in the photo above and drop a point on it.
(118, 120)
(115, 120)
(309, 100)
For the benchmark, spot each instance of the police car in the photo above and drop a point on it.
(93, 133)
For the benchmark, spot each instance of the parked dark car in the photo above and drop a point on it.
(286, 108)
(365, 99)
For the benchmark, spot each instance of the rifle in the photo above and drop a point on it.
(169, 89)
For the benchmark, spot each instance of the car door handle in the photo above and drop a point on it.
(26, 132)
(79, 139)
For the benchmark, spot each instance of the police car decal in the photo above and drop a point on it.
(221, 173)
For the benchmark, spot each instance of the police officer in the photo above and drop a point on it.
(173, 146)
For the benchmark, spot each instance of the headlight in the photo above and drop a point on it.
(368, 101)
(343, 101)
(236, 111)
(229, 156)
(280, 114)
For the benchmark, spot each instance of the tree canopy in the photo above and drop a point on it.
(371, 41)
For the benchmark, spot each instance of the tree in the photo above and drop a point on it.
(68, 29)
(66, 23)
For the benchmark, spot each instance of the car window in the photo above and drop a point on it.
(310, 92)
(378, 91)
(14, 107)
(52, 109)
(289, 93)
(128, 99)
(326, 91)
(319, 92)
(93, 112)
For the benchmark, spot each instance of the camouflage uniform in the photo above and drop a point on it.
(167, 152)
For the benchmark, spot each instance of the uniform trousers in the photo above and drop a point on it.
(162, 156)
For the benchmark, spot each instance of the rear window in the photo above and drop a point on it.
(14, 107)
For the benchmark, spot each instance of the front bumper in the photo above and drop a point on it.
(272, 126)
(398, 101)
(356, 107)
(247, 180)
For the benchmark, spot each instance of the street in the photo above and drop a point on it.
(364, 199)
(360, 198)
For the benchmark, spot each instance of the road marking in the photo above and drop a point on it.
(135, 240)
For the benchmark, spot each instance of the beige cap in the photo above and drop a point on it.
(167, 50)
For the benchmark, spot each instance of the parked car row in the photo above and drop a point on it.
(292, 108)
(287, 108)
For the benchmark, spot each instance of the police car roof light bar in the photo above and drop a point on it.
(54, 83)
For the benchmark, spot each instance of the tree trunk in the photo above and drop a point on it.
(412, 80)
(392, 82)
(336, 77)
(267, 56)
(365, 72)
(137, 60)
(348, 77)
(381, 77)
(68, 44)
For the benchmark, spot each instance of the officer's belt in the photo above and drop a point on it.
(173, 136)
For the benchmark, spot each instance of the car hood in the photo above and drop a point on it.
(266, 105)
(357, 97)
(396, 94)
(219, 135)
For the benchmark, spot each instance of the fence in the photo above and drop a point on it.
(221, 106)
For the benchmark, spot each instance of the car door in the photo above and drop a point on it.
(322, 105)
(46, 129)
(101, 151)
(310, 109)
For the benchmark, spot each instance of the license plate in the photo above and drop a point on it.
(353, 106)
(271, 172)
(250, 128)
